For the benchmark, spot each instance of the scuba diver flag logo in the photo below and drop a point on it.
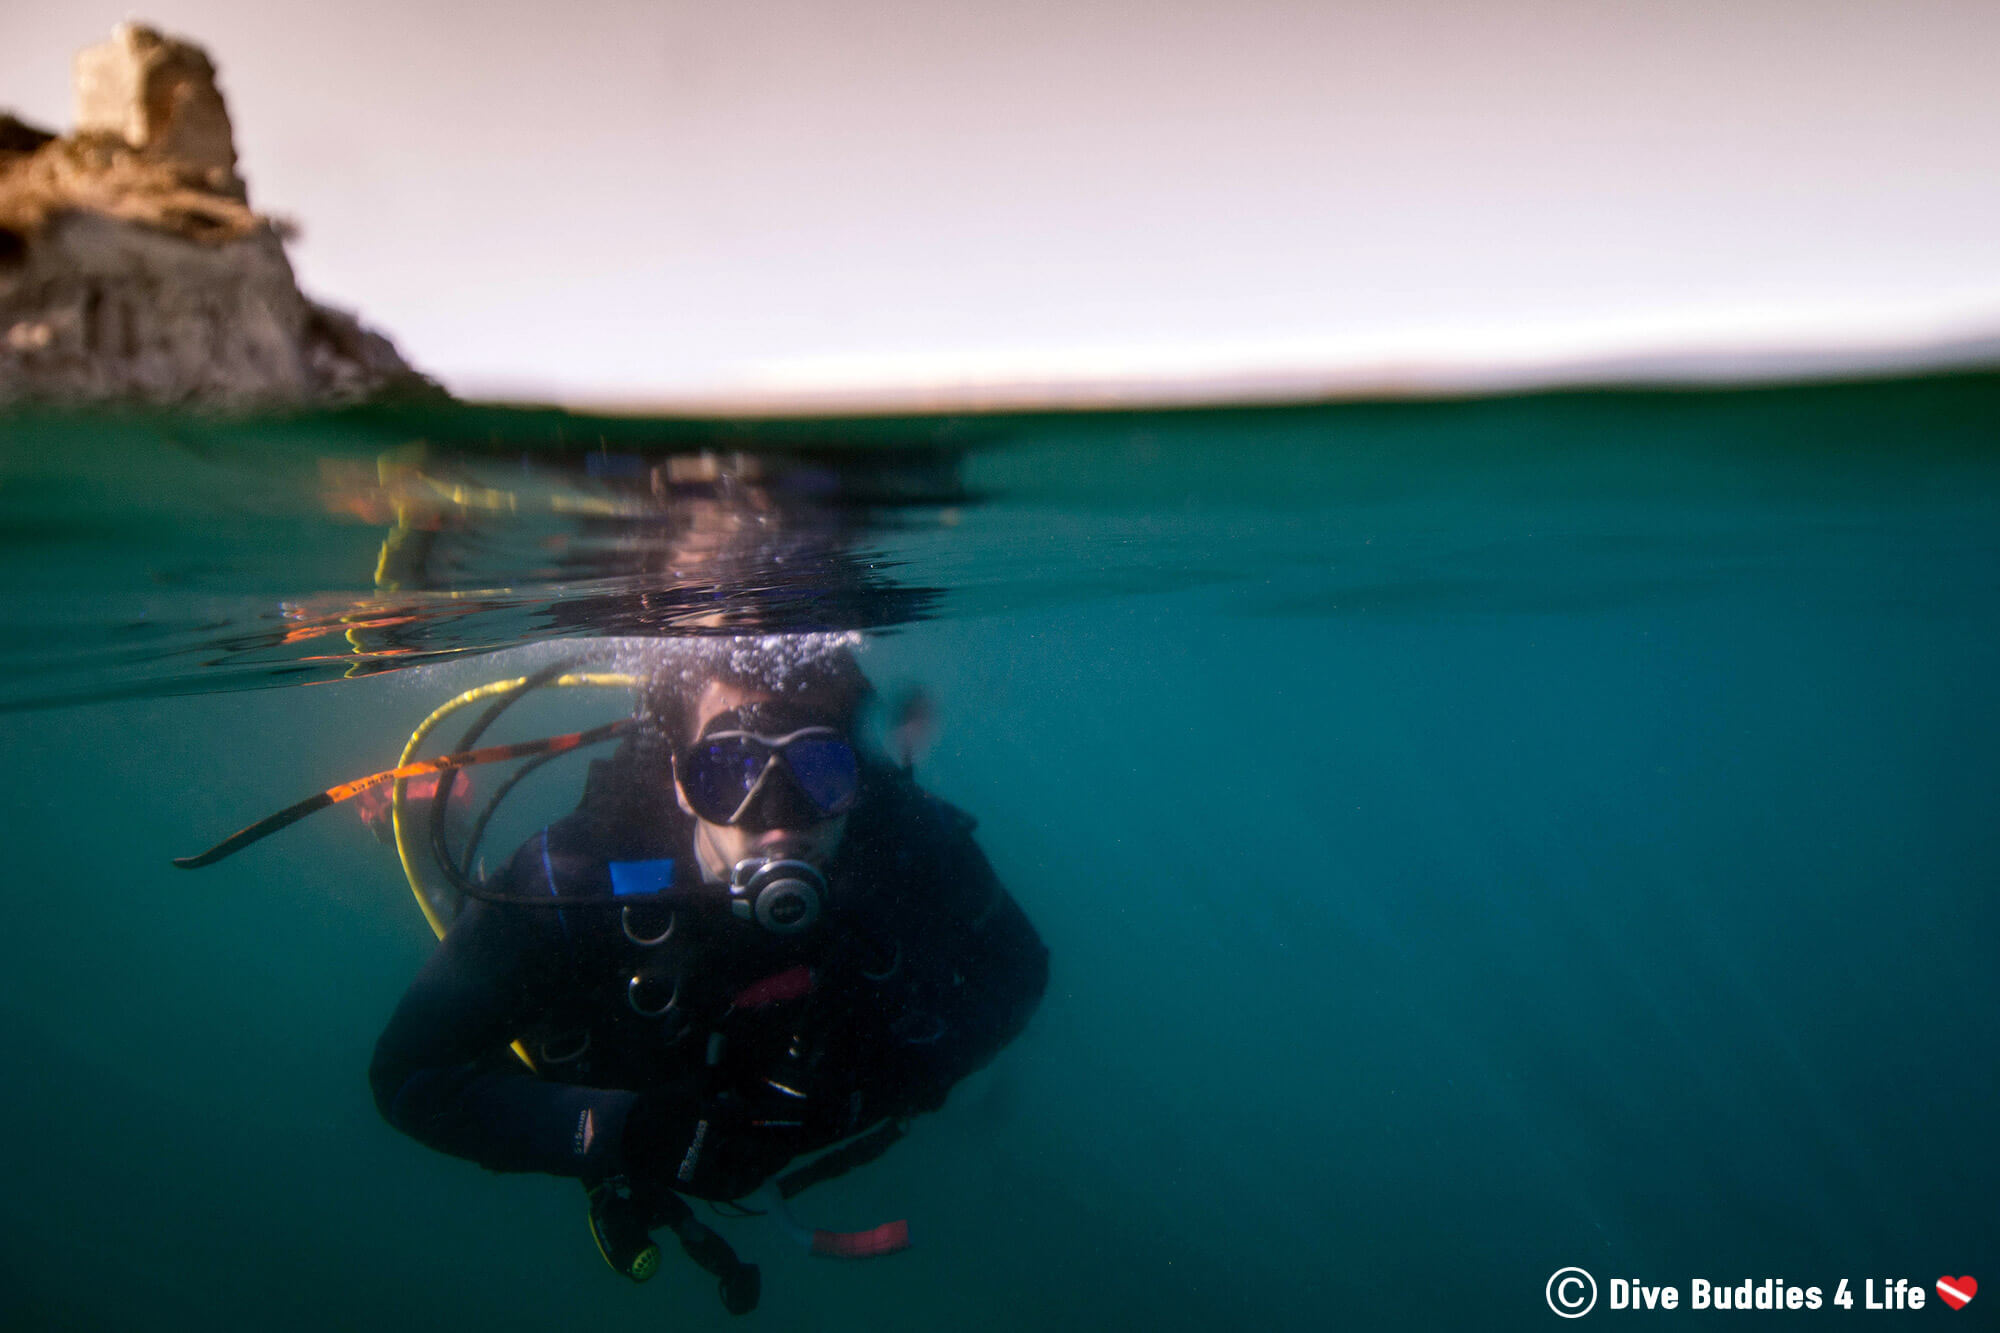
(1957, 1291)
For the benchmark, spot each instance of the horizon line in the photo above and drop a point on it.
(1356, 370)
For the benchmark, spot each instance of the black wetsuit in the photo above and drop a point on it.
(919, 970)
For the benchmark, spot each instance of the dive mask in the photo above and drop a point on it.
(770, 782)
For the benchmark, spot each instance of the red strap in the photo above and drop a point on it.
(777, 988)
(885, 1239)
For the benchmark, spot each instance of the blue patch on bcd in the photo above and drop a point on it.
(632, 877)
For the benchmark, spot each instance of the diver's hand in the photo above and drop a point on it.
(709, 1149)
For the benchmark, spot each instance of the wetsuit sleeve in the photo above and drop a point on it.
(443, 1073)
(985, 969)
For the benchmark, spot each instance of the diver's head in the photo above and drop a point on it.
(766, 776)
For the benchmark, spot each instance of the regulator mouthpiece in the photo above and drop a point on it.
(782, 896)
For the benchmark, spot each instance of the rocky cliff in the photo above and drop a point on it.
(133, 270)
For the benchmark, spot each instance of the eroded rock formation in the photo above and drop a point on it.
(133, 270)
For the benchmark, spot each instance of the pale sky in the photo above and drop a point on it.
(619, 202)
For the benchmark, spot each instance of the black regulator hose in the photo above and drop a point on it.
(441, 802)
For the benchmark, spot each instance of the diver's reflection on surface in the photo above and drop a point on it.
(484, 554)
(156, 562)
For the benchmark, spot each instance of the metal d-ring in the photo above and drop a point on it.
(895, 965)
(632, 997)
(625, 924)
(552, 1058)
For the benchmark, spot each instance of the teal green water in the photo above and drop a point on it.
(1473, 839)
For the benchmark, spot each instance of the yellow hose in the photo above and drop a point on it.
(412, 861)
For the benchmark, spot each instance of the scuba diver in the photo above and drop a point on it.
(753, 939)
